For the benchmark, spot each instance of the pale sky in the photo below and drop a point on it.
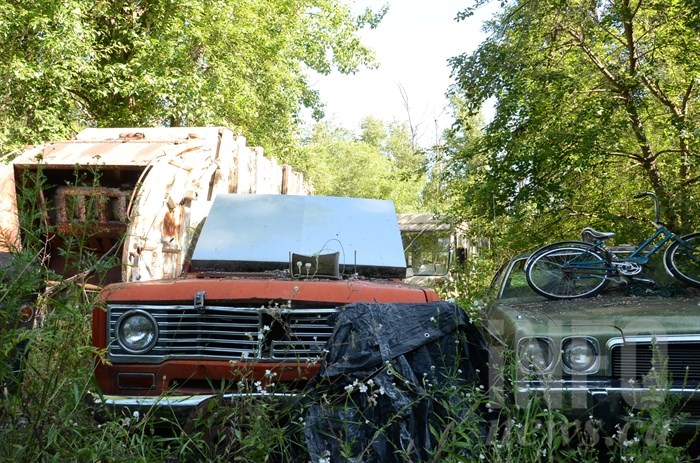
(412, 45)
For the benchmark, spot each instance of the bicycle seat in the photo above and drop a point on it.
(589, 235)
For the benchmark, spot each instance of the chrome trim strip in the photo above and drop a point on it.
(664, 338)
(609, 389)
(180, 405)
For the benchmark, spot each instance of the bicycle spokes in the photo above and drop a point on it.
(682, 259)
(567, 272)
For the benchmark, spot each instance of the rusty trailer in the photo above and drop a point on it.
(144, 191)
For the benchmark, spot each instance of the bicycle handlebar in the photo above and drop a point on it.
(656, 203)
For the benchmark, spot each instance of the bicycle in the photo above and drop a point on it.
(574, 269)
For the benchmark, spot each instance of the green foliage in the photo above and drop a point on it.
(594, 102)
(469, 282)
(21, 281)
(48, 419)
(381, 164)
(249, 428)
(69, 64)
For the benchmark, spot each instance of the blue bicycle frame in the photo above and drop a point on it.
(640, 255)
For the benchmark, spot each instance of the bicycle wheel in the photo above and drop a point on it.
(567, 271)
(682, 259)
(548, 247)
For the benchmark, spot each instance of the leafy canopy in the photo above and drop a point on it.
(595, 101)
(379, 164)
(67, 64)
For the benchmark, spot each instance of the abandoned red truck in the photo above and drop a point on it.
(260, 282)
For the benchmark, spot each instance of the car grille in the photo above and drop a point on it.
(231, 333)
(634, 360)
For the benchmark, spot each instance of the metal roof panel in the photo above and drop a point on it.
(116, 154)
(259, 232)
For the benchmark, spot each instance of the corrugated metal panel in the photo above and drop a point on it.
(132, 154)
(422, 221)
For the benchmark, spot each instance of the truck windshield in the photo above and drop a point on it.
(427, 252)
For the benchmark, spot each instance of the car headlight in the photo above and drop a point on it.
(136, 331)
(580, 355)
(536, 354)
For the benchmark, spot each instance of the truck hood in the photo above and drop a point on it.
(263, 290)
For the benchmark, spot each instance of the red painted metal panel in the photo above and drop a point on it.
(264, 290)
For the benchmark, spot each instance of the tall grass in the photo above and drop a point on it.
(44, 415)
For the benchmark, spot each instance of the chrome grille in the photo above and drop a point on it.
(230, 333)
(634, 360)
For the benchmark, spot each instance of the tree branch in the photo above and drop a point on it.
(692, 181)
(622, 154)
(578, 39)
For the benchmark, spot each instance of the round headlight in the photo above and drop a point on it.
(137, 331)
(536, 354)
(580, 355)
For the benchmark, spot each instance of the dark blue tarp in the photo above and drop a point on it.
(385, 381)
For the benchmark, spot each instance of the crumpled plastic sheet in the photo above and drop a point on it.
(377, 394)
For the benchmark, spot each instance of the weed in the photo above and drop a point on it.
(44, 417)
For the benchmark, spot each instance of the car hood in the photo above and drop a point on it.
(603, 315)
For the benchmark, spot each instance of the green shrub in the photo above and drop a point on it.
(47, 418)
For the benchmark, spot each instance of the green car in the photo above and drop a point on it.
(606, 358)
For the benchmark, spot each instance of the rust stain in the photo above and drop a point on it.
(172, 223)
(131, 154)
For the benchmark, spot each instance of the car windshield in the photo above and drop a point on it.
(510, 282)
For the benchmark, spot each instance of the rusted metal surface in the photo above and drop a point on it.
(254, 291)
(422, 221)
(135, 154)
(9, 222)
(150, 186)
(82, 204)
(153, 134)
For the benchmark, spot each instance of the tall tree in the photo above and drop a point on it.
(377, 164)
(595, 101)
(66, 64)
